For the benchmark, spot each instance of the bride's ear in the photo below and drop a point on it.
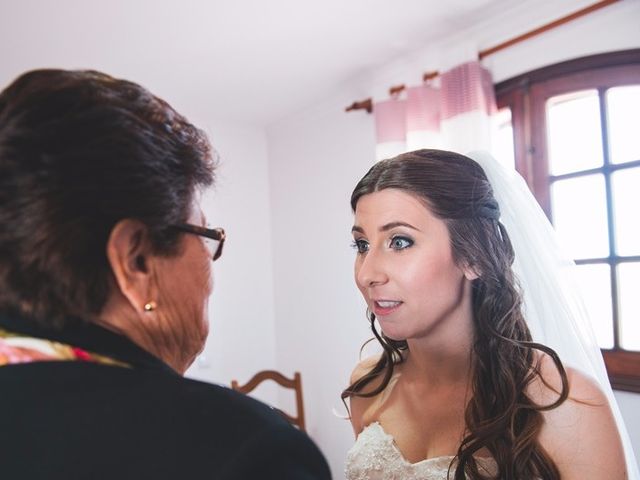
(470, 273)
(131, 260)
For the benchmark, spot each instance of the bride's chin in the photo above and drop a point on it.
(395, 336)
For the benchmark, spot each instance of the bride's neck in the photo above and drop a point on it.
(438, 365)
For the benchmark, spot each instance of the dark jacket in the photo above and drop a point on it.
(83, 420)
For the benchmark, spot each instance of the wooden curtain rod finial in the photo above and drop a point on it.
(393, 91)
(430, 75)
(366, 104)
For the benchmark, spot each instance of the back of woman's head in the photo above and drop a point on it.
(80, 151)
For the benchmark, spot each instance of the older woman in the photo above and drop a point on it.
(105, 272)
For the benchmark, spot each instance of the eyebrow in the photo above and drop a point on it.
(386, 227)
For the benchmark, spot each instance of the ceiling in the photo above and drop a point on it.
(253, 61)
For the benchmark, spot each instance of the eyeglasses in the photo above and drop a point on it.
(214, 237)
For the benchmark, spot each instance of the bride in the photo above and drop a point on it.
(461, 389)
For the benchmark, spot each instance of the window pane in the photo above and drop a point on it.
(580, 215)
(626, 198)
(595, 282)
(623, 109)
(574, 133)
(628, 282)
(503, 148)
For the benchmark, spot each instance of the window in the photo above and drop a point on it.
(576, 142)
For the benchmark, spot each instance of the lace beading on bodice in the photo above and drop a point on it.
(375, 456)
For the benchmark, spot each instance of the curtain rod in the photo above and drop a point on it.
(367, 104)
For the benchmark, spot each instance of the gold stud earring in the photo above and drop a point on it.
(150, 306)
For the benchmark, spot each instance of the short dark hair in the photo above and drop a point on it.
(80, 151)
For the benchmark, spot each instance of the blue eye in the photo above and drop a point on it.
(362, 246)
(400, 243)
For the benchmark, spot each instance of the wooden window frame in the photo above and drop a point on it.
(526, 95)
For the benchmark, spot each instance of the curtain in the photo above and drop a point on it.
(452, 112)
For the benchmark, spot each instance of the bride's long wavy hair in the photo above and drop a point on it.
(499, 416)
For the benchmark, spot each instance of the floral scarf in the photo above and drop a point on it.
(16, 348)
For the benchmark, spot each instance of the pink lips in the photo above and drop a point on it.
(385, 307)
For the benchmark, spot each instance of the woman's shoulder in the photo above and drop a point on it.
(547, 386)
(580, 434)
(363, 367)
(359, 406)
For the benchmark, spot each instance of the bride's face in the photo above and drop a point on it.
(404, 264)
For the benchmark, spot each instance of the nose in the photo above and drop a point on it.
(370, 270)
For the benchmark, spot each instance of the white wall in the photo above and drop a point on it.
(320, 321)
(242, 336)
(315, 159)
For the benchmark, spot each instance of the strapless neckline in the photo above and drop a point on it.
(376, 456)
(394, 445)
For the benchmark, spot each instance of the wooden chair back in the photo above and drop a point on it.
(294, 383)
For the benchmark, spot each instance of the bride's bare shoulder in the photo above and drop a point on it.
(546, 387)
(358, 404)
(363, 367)
(580, 434)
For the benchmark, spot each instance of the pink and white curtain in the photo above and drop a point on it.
(453, 113)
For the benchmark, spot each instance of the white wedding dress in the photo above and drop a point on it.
(375, 456)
